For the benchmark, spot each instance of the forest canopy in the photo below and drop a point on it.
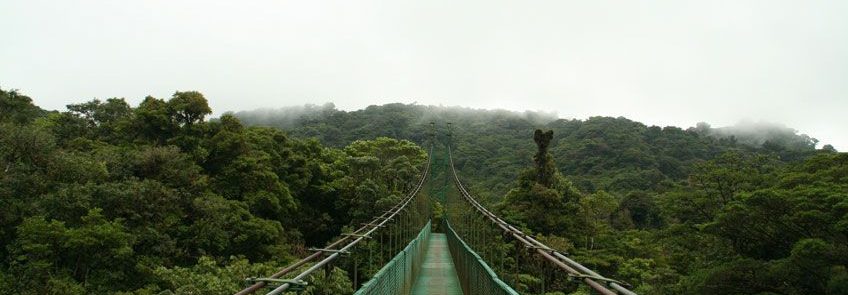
(747, 209)
(158, 198)
(107, 198)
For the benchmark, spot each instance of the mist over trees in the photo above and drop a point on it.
(598, 153)
(754, 134)
(761, 134)
(157, 198)
(749, 209)
(336, 128)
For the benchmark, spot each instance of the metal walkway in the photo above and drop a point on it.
(438, 274)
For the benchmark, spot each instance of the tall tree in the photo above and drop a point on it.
(188, 107)
(17, 108)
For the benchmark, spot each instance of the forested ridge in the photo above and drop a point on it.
(109, 198)
(748, 209)
(158, 198)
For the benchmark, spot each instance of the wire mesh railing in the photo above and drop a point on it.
(491, 256)
(366, 249)
(475, 275)
(398, 275)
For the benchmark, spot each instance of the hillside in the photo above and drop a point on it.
(700, 210)
(110, 198)
(613, 154)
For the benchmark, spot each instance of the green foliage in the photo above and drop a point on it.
(531, 206)
(773, 137)
(97, 253)
(226, 227)
(669, 210)
(17, 108)
(152, 121)
(112, 198)
(188, 108)
(785, 235)
(107, 198)
(208, 276)
(334, 282)
(545, 169)
(378, 174)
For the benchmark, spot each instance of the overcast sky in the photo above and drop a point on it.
(659, 62)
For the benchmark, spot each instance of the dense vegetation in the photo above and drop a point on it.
(672, 211)
(108, 198)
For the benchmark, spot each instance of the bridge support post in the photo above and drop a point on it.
(355, 271)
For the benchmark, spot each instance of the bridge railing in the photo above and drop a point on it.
(521, 260)
(397, 276)
(475, 275)
(367, 248)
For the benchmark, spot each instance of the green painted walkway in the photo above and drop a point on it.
(438, 274)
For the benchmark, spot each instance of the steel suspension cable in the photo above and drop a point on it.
(573, 268)
(346, 242)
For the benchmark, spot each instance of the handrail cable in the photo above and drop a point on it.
(569, 265)
(359, 235)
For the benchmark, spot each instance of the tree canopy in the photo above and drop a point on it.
(109, 198)
(749, 209)
(112, 198)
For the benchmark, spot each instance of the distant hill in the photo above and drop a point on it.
(614, 154)
(761, 134)
(177, 202)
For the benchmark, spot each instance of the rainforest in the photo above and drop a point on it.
(105, 197)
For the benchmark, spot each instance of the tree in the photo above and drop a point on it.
(97, 255)
(223, 228)
(16, 108)
(152, 121)
(208, 276)
(639, 210)
(542, 195)
(545, 169)
(188, 108)
(595, 213)
(107, 120)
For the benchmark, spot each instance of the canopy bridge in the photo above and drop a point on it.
(461, 248)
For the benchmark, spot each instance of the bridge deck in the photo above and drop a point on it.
(438, 274)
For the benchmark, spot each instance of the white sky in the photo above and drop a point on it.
(659, 62)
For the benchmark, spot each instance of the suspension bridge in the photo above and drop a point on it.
(459, 248)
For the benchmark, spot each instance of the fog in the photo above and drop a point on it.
(757, 133)
(658, 62)
(293, 116)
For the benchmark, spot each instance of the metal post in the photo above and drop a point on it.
(370, 256)
(515, 275)
(355, 270)
(382, 233)
(544, 276)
